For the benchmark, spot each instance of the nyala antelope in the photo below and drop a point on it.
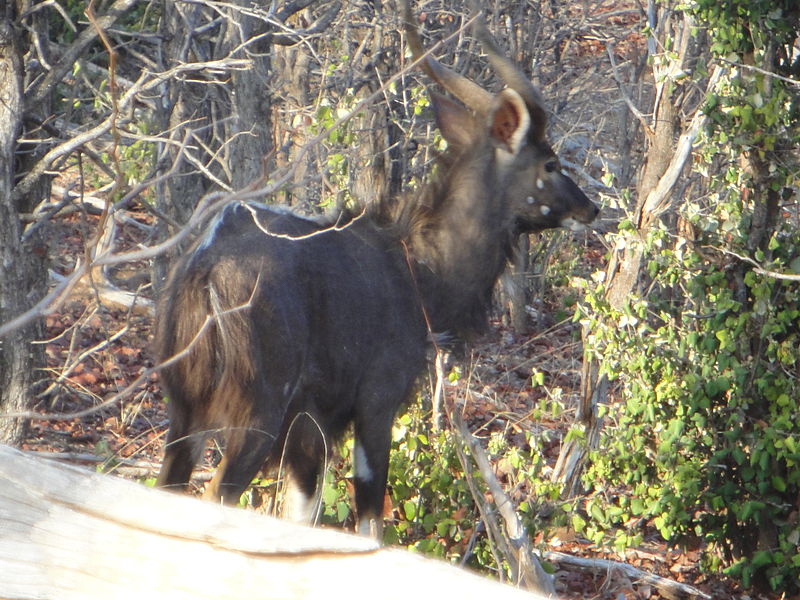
(287, 330)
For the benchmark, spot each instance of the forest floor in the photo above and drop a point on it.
(95, 351)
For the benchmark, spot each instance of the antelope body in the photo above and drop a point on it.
(287, 330)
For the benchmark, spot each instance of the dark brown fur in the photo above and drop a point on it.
(273, 322)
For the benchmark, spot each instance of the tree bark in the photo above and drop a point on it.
(664, 161)
(228, 126)
(185, 105)
(13, 348)
(23, 272)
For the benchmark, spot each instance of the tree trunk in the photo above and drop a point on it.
(13, 348)
(514, 288)
(228, 127)
(663, 161)
(249, 132)
(379, 154)
(184, 111)
(290, 118)
(23, 272)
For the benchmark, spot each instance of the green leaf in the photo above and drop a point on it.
(778, 483)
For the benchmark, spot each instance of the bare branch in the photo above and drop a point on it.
(757, 268)
(788, 80)
(322, 24)
(146, 82)
(292, 8)
(76, 49)
(119, 395)
(672, 589)
(43, 307)
(529, 568)
(50, 4)
(634, 110)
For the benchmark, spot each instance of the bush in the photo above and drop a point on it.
(706, 440)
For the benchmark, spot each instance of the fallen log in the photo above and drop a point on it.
(69, 533)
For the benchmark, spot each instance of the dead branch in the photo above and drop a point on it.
(531, 574)
(668, 586)
(145, 83)
(70, 56)
(319, 26)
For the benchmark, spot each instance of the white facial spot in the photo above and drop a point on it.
(531, 200)
(540, 184)
(564, 173)
(572, 224)
(544, 209)
(360, 463)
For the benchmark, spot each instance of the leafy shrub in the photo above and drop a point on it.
(706, 439)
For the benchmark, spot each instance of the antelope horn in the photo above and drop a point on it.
(510, 73)
(462, 88)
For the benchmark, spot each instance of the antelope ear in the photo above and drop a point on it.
(509, 121)
(453, 120)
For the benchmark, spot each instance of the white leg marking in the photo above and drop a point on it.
(297, 506)
(360, 464)
(371, 528)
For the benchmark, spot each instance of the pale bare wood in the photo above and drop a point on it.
(669, 587)
(69, 533)
(526, 563)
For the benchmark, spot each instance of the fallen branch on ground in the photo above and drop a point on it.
(668, 586)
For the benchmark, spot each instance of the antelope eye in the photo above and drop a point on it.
(550, 166)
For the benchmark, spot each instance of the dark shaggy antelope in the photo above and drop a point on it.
(289, 329)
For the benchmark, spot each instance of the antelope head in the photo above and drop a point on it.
(540, 194)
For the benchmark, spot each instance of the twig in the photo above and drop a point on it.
(760, 70)
(75, 50)
(145, 83)
(287, 39)
(631, 106)
(71, 367)
(757, 268)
